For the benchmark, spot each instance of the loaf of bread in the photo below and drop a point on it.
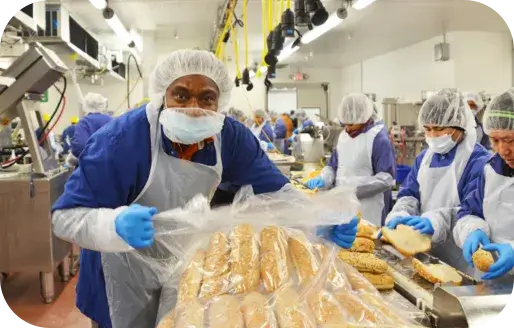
(366, 230)
(275, 262)
(257, 312)
(225, 312)
(363, 245)
(482, 260)
(363, 262)
(336, 278)
(302, 255)
(385, 310)
(292, 311)
(437, 273)
(244, 259)
(216, 269)
(326, 308)
(407, 240)
(381, 282)
(189, 314)
(357, 280)
(191, 278)
(357, 311)
(168, 321)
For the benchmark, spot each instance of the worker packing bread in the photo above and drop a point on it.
(364, 155)
(442, 175)
(487, 213)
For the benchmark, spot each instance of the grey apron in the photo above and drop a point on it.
(134, 280)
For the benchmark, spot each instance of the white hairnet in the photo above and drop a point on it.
(238, 114)
(94, 103)
(273, 114)
(301, 114)
(499, 114)
(260, 113)
(446, 108)
(182, 63)
(476, 98)
(355, 108)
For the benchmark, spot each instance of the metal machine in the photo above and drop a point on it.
(26, 239)
(309, 146)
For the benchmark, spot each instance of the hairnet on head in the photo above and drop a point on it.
(474, 97)
(182, 63)
(355, 108)
(238, 114)
(446, 108)
(260, 113)
(94, 103)
(499, 114)
(301, 114)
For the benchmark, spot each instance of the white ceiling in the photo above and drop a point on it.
(384, 26)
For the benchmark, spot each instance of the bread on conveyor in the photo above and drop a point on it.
(381, 282)
(366, 230)
(225, 312)
(189, 314)
(244, 259)
(363, 245)
(216, 268)
(257, 312)
(192, 278)
(363, 262)
(482, 260)
(292, 311)
(275, 262)
(437, 273)
(357, 280)
(407, 240)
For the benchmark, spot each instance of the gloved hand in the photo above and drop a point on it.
(421, 224)
(271, 146)
(472, 243)
(134, 225)
(342, 235)
(291, 139)
(316, 182)
(296, 131)
(505, 261)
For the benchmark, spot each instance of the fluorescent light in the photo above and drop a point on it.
(287, 52)
(263, 69)
(119, 29)
(252, 74)
(138, 40)
(318, 31)
(361, 4)
(99, 4)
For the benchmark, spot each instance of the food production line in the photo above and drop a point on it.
(30, 187)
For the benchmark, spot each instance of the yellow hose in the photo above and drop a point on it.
(289, 4)
(235, 42)
(245, 30)
(226, 28)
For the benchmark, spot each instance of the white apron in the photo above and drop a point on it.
(256, 130)
(134, 280)
(438, 189)
(498, 206)
(354, 161)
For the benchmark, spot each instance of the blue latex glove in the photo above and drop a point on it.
(423, 225)
(291, 139)
(271, 146)
(505, 261)
(316, 182)
(134, 225)
(472, 244)
(342, 235)
(296, 131)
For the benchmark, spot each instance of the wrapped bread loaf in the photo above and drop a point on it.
(482, 260)
(325, 308)
(437, 273)
(381, 282)
(363, 262)
(407, 240)
(292, 311)
(275, 262)
(336, 278)
(384, 309)
(244, 259)
(363, 245)
(302, 255)
(192, 278)
(216, 268)
(168, 321)
(257, 312)
(225, 312)
(189, 314)
(358, 311)
(357, 280)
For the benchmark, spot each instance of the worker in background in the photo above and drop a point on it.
(486, 216)
(364, 155)
(273, 116)
(67, 135)
(442, 175)
(154, 159)
(262, 130)
(56, 147)
(283, 131)
(302, 121)
(476, 104)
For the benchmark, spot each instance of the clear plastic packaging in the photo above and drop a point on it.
(260, 264)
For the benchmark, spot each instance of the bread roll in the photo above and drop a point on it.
(302, 255)
(336, 278)
(168, 321)
(381, 282)
(257, 312)
(357, 310)
(189, 314)
(366, 230)
(225, 312)
(275, 262)
(325, 308)
(291, 311)
(357, 280)
(191, 279)
(384, 309)
(363, 262)
(363, 245)
(437, 273)
(216, 269)
(483, 260)
(407, 240)
(244, 259)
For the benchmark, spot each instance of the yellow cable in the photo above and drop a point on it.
(245, 30)
(277, 12)
(235, 42)
(226, 28)
(289, 4)
(270, 15)
(281, 7)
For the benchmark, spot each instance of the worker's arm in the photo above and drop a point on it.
(80, 138)
(280, 129)
(328, 174)
(266, 133)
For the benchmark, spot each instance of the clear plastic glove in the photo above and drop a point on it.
(271, 146)
(505, 261)
(315, 183)
(342, 235)
(134, 225)
(472, 243)
(296, 131)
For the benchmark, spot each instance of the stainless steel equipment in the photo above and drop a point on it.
(26, 239)
(309, 146)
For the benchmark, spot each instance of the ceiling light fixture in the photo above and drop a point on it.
(99, 4)
(332, 21)
(287, 52)
(117, 26)
(361, 4)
